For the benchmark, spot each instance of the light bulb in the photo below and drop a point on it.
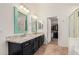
(34, 16)
(27, 11)
(21, 6)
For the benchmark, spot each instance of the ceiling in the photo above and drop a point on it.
(53, 7)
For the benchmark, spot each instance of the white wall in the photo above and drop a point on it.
(62, 11)
(73, 46)
(48, 10)
(6, 25)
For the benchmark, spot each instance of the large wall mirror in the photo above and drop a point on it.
(34, 25)
(40, 26)
(20, 21)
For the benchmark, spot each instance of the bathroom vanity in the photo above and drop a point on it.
(25, 45)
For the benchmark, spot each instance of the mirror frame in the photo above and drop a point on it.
(16, 29)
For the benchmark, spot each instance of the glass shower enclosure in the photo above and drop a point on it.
(74, 24)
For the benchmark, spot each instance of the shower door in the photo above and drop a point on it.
(74, 24)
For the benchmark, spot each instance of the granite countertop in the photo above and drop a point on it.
(21, 39)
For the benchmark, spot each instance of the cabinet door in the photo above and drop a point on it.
(35, 44)
(27, 48)
(14, 49)
(32, 46)
(42, 39)
(38, 41)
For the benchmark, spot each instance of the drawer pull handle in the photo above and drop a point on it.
(26, 44)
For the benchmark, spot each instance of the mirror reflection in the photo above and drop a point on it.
(20, 21)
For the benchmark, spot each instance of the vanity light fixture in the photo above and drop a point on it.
(34, 16)
(26, 10)
(23, 8)
(40, 20)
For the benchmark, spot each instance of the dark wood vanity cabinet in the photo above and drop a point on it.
(25, 48)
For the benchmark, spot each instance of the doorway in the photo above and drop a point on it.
(52, 29)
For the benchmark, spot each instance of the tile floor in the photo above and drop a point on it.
(52, 49)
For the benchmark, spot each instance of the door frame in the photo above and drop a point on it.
(48, 32)
(49, 20)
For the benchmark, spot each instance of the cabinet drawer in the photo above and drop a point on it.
(14, 48)
(27, 50)
(26, 43)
